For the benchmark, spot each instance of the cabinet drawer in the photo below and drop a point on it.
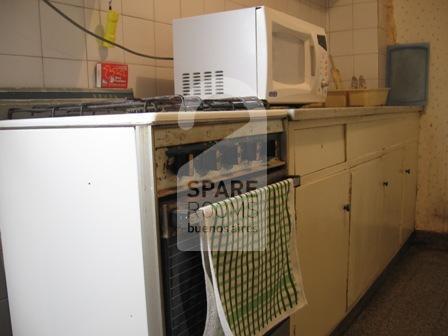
(318, 148)
(369, 137)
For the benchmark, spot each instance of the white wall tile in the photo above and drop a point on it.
(21, 71)
(335, 3)
(138, 35)
(78, 3)
(383, 13)
(341, 18)
(320, 3)
(91, 74)
(345, 64)
(65, 73)
(19, 27)
(327, 21)
(250, 3)
(164, 43)
(142, 79)
(305, 12)
(345, 85)
(294, 7)
(373, 83)
(365, 41)
(165, 81)
(280, 5)
(192, 7)
(95, 21)
(319, 16)
(59, 37)
(213, 6)
(367, 66)
(341, 43)
(382, 41)
(230, 5)
(365, 15)
(382, 60)
(104, 4)
(167, 10)
(139, 8)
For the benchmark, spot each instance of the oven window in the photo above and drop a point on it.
(288, 55)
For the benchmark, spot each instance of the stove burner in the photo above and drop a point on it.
(156, 104)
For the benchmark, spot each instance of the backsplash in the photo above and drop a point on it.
(357, 40)
(40, 49)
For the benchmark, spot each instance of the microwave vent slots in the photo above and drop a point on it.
(219, 82)
(186, 84)
(205, 83)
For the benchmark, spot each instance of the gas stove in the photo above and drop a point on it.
(147, 105)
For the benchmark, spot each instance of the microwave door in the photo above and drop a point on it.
(293, 62)
(290, 60)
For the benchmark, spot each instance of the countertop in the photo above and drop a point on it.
(187, 118)
(138, 119)
(340, 112)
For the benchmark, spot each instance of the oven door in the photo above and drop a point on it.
(290, 59)
(185, 301)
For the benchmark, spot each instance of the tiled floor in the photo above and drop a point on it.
(413, 299)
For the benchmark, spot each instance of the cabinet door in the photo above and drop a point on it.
(409, 190)
(392, 208)
(323, 229)
(365, 228)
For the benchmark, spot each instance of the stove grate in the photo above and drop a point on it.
(174, 103)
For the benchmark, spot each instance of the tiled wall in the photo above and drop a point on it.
(426, 21)
(39, 49)
(357, 40)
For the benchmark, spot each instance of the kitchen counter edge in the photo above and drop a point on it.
(187, 118)
(345, 112)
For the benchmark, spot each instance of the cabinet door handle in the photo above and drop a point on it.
(347, 207)
(408, 171)
(386, 183)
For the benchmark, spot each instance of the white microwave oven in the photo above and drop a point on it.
(251, 52)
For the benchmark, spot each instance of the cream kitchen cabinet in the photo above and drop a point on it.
(367, 161)
(392, 208)
(375, 225)
(323, 233)
(409, 190)
(365, 228)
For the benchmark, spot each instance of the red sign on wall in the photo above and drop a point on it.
(112, 75)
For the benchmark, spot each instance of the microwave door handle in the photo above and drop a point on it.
(313, 57)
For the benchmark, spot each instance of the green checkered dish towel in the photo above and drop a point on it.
(252, 272)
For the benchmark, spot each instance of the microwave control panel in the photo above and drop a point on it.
(324, 69)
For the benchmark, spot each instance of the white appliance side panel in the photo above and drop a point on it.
(70, 227)
(218, 42)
